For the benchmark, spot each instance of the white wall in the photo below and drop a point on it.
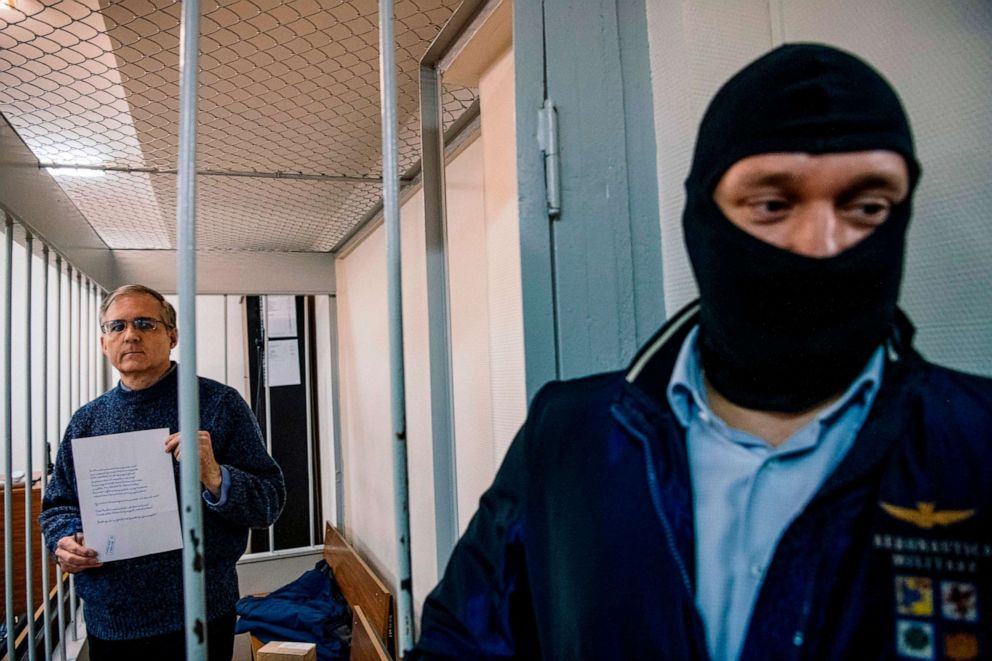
(486, 336)
(506, 332)
(484, 273)
(471, 358)
(938, 58)
(324, 398)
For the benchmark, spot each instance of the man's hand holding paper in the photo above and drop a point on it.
(210, 473)
(127, 497)
(73, 556)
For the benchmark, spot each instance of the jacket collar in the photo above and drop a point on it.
(651, 368)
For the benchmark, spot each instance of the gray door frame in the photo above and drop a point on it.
(592, 278)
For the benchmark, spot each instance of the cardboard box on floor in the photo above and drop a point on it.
(281, 651)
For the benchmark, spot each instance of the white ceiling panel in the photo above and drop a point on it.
(285, 88)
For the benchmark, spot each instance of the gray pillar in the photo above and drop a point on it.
(189, 403)
(391, 213)
(29, 440)
(8, 439)
(45, 586)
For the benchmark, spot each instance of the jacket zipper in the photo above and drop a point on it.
(656, 500)
(697, 633)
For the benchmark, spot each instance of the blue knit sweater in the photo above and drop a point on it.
(143, 597)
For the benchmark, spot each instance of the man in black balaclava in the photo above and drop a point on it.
(799, 282)
(779, 474)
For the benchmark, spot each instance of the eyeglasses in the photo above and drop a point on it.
(141, 324)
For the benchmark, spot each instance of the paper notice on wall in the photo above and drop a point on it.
(283, 364)
(280, 316)
(127, 494)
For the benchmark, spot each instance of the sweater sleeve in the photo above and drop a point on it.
(257, 492)
(60, 507)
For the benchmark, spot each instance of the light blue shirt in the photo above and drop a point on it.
(746, 492)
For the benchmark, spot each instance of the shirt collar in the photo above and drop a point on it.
(685, 388)
(687, 393)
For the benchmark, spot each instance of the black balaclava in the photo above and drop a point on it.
(781, 331)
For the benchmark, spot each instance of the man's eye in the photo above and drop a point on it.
(874, 208)
(870, 211)
(769, 209)
(144, 324)
(115, 326)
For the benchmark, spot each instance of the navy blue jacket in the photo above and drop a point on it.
(310, 609)
(583, 546)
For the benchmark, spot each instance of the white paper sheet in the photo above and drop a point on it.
(280, 316)
(127, 494)
(283, 365)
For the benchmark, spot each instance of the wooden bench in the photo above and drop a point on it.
(365, 643)
(370, 600)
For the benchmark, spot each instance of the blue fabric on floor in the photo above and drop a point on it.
(311, 609)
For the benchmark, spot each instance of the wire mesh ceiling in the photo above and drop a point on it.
(288, 88)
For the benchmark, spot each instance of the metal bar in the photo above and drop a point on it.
(91, 337)
(45, 587)
(227, 378)
(391, 213)
(91, 326)
(68, 345)
(29, 459)
(97, 353)
(268, 400)
(83, 365)
(84, 340)
(309, 410)
(8, 438)
(438, 318)
(75, 360)
(246, 352)
(94, 342)
(189, 402)
(80, 368)
(332, 313)
(304, 176)
(101, 373)
(78, 363)
(60, 590)
(70, 355)
(89, 343)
